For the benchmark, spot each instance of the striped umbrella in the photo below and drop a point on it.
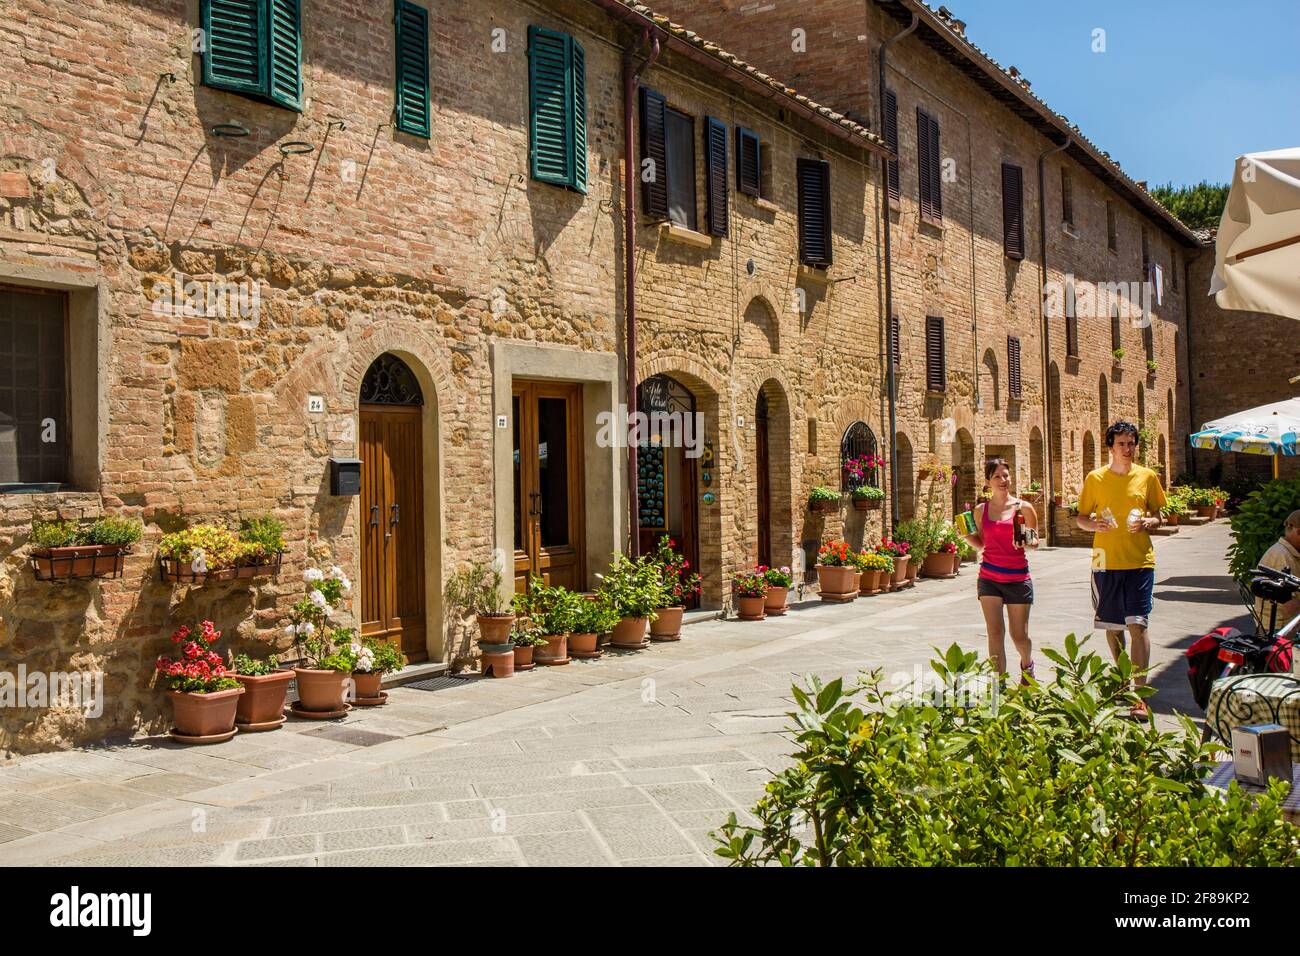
(1267, 430)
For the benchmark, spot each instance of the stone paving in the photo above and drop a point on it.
(630, 759)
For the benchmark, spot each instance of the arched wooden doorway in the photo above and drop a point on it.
(392, 506)
(772, 476)
(668, 463)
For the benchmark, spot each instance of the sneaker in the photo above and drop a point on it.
(1027, 674)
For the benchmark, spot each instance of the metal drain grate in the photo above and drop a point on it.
(442, 682)
(351, 735)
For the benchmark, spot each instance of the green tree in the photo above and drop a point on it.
(1199, 206)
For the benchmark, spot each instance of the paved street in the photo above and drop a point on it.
(631, 759)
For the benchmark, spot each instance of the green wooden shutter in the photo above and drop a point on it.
(412, 36)
(578, 95)
(654, 147)
(234, 55)
(285, 53)
(715, 174)
(549, 106)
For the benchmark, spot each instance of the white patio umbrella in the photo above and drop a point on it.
(1257, 253)
(1267, 430)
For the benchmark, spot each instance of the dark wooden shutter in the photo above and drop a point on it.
(814, 212)
(936, 371)
(1116, 336)
(1067, 197)
(894, 344)
(654, 147)
(412, 68)
(285, 53)
(715, 174)
(749, 162)
(1071, 329)
(1013, 211)
(936, 177)
(930, 176)
(234, 55)
(1149, 341)
(1013, 365)
(891, 140)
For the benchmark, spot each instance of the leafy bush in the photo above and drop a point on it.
(548, 610)
(594, 616)
(119, 531)
(1258, 522)
(527, 637)
(266, 534)
(54, 534)
(378, 655)
(823, 493)
(1049, 775)
(476, 589)
(867, 493)
(1118, 354)
(750, 584)
(634, 589)
(68, 533)
(221, 547)
(252, 666)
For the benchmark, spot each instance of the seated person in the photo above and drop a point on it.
(1284, 556)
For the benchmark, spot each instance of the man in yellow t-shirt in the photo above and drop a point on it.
(1121, 505)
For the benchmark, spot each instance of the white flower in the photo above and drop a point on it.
(336, 573)
(318, 599)
(312, 574)
(346, 584)
(305, 629)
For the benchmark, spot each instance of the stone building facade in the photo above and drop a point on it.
(955, 266)
(248, 291)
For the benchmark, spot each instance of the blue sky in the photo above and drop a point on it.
(1183, 87)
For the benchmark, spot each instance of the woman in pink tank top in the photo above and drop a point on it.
(1004, 582)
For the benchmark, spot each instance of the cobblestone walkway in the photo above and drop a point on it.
(630, 759)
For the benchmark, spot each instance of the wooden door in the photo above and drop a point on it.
(764, 482)
(548, 498)
(392, 540)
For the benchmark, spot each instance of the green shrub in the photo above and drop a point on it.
(1047, 775)
(265, 533)
(634, 588)
(55, 534)
(120, 531)
(823, 493)
(1258, 523)
(594, 616)
(867, 493)
(254, 667)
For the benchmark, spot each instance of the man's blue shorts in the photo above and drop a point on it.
(1120, 598)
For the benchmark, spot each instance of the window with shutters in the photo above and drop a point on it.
(1112, 227)
(891, 140)
(1149, 342)
(557, 82)
(814, 212)
(1013, 212)
(1071, 324)
(929, 173)
(680, 130)
(936, 368)
(1013, 366)
(749, 163)
(33, 387)
(412, 43)
(254, 47)
(1067, 198)
(668, 161)
(715, 174)
(1116, 333)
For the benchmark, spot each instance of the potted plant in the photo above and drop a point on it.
(1118, 355)
(1033, 492)
(476, 589)
(375, 658)
(943, 562)
(326, 650)
(823, 500)
(525, 641)
(201, 553)
(680, 584)
(593, 617)
(1175, 509)
(837, 575)
(550, 613)
(898, 552)
(262, 705)
(872, 566)
(263, 538)
(750, 588)
(62, 551)
(634, 589)
(929, 465)
(779, 582)
(1202, 499)
(867, 497)
(204, 697)
(1151, 367)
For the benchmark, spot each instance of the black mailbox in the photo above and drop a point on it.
(345, 476)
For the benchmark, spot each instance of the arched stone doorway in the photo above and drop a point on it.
(1036, 455)
(773, 531)
(761, 333)
(392, 445)
(963, 467)
(906, 477)
(1089, 454)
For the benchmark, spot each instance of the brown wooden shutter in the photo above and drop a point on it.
(936, 372)
(715, 174)
(749, 164)
(1067, 197)
(1071, 334)
(924, 191)
(814, 212)
(654, 147)
(891, 140)
(1013, 365)
(1013, 211)
(1148, 341)
(894, 344)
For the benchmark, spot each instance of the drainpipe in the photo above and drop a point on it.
(1188, 457)
(1047, 339)
(631, 79)
(889, 283)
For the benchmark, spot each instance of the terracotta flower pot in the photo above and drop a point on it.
(367, 685)
(900, 569)
(84, 561)
(939, 565)
(263, 698)
(775, 603)
(837, 584)
(583, 645)
(750, 608)
(205, 715)
(1172, 520)
(869, 583)
(913, 568)
(629, 632)
(495, 628)
(824, 507)
(321, 690)
(867, 504)
(556, 649)
(667, 625)
(499, 663)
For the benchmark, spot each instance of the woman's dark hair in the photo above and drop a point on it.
(992, 465)
(1120, 428)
